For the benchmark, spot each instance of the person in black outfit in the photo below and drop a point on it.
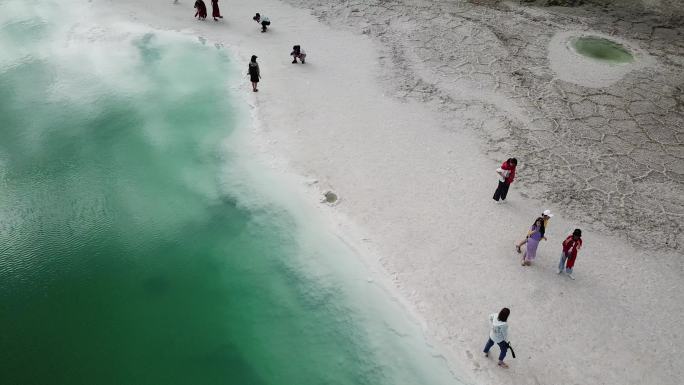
(253, 72)
(298, 53)
(201, 8)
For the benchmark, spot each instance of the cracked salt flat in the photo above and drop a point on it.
(612, 155)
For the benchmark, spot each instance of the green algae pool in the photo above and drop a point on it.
(602, 49)
(136, 249)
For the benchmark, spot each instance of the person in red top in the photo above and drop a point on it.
(571, 245)
(506, 176)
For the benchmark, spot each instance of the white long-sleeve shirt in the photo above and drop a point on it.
(503, 174)
(499, 331)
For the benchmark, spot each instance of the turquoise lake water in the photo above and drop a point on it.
(135, 248)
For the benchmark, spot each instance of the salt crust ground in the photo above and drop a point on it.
(415, 181)
(613, 154)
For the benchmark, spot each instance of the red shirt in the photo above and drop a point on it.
(570, 245)
(511, 169)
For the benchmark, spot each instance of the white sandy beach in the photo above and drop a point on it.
(415, 178)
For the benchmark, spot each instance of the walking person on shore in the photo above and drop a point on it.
(571, 245)
(201, 13)
(215, 12)
(506, 176)
(253, 72)
(264, 21)
(498, 334)
(535, 235)
(546, 215)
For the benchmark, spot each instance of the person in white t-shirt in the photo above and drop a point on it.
(498, 334)
(263, 20)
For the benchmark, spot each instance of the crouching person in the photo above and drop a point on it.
(263, 20)
(298, 53)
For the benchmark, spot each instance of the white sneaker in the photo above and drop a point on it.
(560, 271)
(571, 276)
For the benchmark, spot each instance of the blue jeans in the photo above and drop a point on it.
(503, 346)
(561, 265)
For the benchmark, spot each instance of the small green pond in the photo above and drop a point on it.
(602, 49)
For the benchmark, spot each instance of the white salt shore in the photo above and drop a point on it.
(415, 195)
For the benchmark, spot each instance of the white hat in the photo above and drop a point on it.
(547, 212)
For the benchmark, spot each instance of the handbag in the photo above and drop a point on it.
(511, 348)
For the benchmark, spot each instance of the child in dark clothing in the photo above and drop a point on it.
(298, 53)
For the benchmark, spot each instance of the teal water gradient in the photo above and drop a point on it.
(129, 252)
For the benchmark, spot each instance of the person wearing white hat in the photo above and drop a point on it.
(546, 215)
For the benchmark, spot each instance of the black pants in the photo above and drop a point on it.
(501, 191)
(265, 24)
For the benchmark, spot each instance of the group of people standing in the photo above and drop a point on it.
(537, 232)
(201, 10)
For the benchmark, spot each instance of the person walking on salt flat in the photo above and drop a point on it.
(535, 235)
(215, 12)
(506, 176)
(546, 215)
(254, 73)
(263, 20)
(571, 245)
(498, 334)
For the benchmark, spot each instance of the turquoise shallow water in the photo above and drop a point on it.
(130, 252)
(602, 49)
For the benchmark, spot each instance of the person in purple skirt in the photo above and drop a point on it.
(535, 235)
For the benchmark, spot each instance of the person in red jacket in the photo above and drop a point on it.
(571, 245)
(506, 176)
